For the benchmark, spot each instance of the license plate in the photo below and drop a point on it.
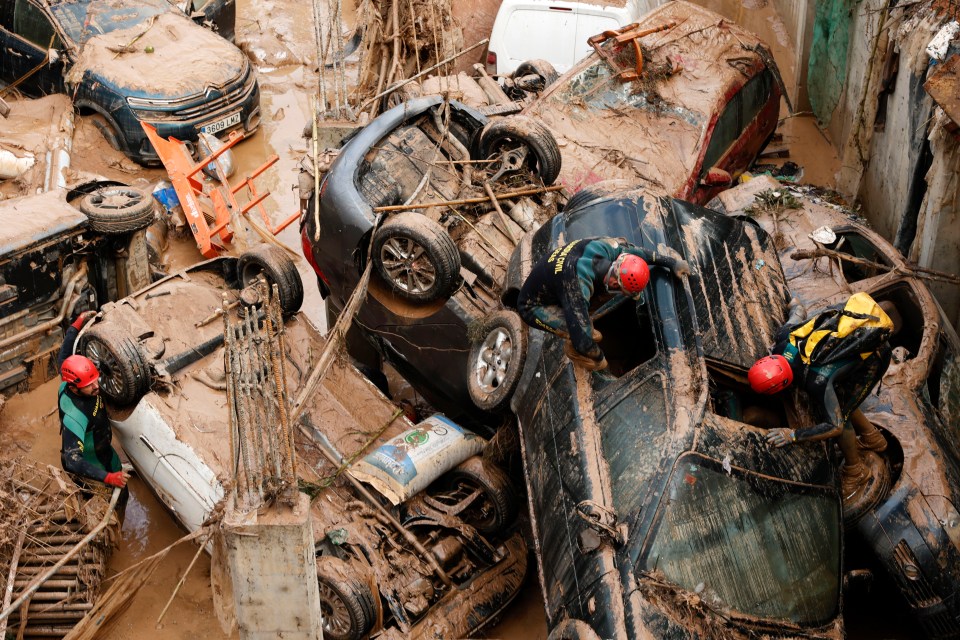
(220, 125)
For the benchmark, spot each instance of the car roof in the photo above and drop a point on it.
(30, 220)
(711, 54)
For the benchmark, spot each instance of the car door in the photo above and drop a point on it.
(27, 35)
(739, 132)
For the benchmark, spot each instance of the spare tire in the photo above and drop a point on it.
(277, 267)
(509, 132)
(124, 373)
(118, 209)
(496, 360)
(540, 68)
(416, 257)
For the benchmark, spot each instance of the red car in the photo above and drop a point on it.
(681, 102)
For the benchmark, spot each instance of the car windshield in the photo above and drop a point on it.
(84, 20)
(751, 544)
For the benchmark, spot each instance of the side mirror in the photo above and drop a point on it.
(716, 177)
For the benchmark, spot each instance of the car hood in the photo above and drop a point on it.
(185, 59)
(739, 291)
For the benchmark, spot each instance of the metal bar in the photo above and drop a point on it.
(450, 203)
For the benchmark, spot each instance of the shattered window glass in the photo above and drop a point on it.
(749, 543)
(598, 87)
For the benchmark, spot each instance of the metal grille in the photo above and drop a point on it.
(261, 438)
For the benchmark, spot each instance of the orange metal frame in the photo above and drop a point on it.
(629, 33)
(184, 172)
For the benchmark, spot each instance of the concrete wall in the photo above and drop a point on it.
(938, 226)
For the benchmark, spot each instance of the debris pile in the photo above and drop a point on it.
(44, 518)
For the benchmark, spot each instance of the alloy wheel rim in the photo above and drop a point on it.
(408, 265)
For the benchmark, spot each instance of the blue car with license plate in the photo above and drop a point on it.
(125, 62)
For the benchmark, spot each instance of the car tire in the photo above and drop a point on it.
(117, 209)
(399, 247)
(499, 507)
(510, 131)
(106, 130)
(278, 269)
(571, 629)
(124, 373)
(597, 190)
(496, 360)
(538, 67)
(407, 92)
(346, 603)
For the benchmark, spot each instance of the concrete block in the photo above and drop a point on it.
(273, 568)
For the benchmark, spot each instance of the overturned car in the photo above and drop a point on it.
(405, 549)
(435, 196)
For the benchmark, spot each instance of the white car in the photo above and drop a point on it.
(551, 30)
(162, 348)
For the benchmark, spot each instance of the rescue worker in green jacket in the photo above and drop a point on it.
(86, 451)
(836, 390)
(558, 294)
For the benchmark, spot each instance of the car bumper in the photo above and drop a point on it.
(918, 554)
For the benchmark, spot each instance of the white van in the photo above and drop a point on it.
(554, 30)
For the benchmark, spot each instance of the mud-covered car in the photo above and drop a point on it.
(125, 62)
(468, 560)
(914, 530)
(437, 266)
(682, 102)
(58, 259)
(658, 509)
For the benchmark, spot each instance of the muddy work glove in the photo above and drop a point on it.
(781, 437)
(82, 319)
(116, 479)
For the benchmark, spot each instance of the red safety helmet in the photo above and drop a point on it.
(79, 371)
(633, 274)
(770, 374)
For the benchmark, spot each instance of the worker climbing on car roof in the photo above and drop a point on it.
(86, 451)
(558, 293)
(838, 356)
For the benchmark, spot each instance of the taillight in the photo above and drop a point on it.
(308, 254)
(491, 65)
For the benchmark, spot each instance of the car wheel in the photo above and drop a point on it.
(346, 604)
(571, 629)
(502, 135)
(541, 68)
(496, 362)
(492, 501)
(118, 209)
(416, 257)
(124, 373)
(407, 92)
(277, 267)
(106, 130)
(604, 189)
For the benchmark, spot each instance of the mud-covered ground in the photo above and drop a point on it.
(278, 36)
